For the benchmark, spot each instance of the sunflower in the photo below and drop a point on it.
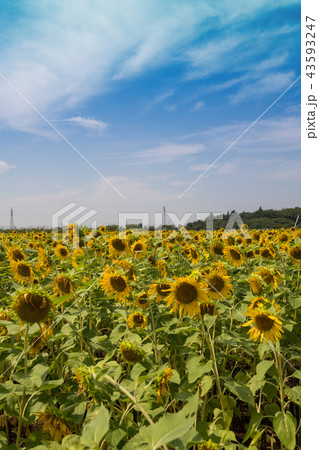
(32, 306)
(186, 295)
(217, 248)
(115, 284)
(266, 253)
(52, 420)
(263, 325)
(256, 284)
(161, 290)
(162, 383)
(128, 269)
(3, 316)
(218, 285)
(295, 252)
(137, 320)
(161, 267)
(63, 285)
(142, 301)
(139, 248)
(233, 255)
(192, 254)
(61, 251)
(257, 303)
(270, 276)
(15, 254)
(117, 247)
(282, 238)
(131, 352)
(23, 272)
(208, 308)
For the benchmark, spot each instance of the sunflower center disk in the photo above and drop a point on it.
(118, 283)
(138, 248)
(263, 322)
(118, 244)
(24, 270)
(234, 254)
(186, 293)
(216, 283)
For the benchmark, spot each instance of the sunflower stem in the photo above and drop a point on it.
(25, 348)
(281, 381)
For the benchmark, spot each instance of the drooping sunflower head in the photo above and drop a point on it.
(61, 251)
(192, 254)
(127, 268)
(63, 284)
(52, 420)
(233, 255)
(264, 326)
(32, 306)
(131, 352)
(266, 253)
(186, 295)
(217, 248)
(270, 276)
(15, 254)
(295, 252)
(137, 320)
(256, 284)
(142, 301)
(161, 383)
(257, 303)
(22, 271)
(209, 309)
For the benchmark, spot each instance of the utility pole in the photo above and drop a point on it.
(11, 219)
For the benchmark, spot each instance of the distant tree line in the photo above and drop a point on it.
(260, 219)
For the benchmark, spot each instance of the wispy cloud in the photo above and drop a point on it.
(198, 106)
(4, 166)
(169, 152)
(91, 124)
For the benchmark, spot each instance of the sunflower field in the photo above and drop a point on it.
(171, 340)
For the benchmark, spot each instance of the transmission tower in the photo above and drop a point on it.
(11, 219)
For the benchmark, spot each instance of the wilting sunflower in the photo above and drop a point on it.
(52, 420)
(117, 247)
(137, 320)
(142, 301)
(32, 306)
(233, 255)
(161, 383)
(3, 316)
(128, 269)
(218, 285)
(139, 248)
(208, 308)
(256, 284)
(131, 352)
(22, 271)
(295, 252)
(62, 285)
(263, 325)
(161, 290)
(61, 251)
(15, 254)
(115, 284)
(186, 295)
(270, 276)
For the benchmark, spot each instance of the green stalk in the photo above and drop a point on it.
(24, 389)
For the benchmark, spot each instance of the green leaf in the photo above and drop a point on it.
(196, 368)
(94, 431)
(171, 426)
(241, 390)
(206, 384)
(257, 381)
(285, 429)
(51, 384)
(294, 394)
(255, 420)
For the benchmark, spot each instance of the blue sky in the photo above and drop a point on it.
(151, 93)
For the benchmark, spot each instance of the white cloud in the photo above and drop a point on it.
(91, 124)
(169, 152)
(4, 166)
(198, 106)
